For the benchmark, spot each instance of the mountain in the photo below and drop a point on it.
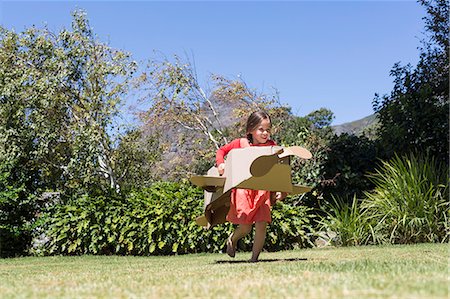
(356, 127)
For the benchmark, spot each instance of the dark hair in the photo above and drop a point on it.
(253, 122)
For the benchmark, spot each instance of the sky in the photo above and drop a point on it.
(331, 54)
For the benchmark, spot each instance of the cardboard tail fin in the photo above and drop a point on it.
(298, 151)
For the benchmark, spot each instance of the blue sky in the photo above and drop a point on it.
(332, 54)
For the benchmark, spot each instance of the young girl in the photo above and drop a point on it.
(249, 207)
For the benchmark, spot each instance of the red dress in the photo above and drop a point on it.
(247, 206)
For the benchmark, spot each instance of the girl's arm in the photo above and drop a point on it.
(223, 152)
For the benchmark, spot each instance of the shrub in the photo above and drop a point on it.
(345, 224)
(410, 201)
(291, 227)
(17, 211)
(158, 220)
(349, 158)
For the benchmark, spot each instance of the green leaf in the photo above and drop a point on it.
(161, 244)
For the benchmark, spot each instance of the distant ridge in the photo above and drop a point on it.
(356, 127)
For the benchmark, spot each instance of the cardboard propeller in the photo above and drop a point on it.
(258, 168)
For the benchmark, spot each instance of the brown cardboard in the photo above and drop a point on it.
(258, 168)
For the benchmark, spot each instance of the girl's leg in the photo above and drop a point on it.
(260, 238)
(241, 231)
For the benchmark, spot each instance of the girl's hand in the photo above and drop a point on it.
(280, 196)
(276, 196)
(221, 168)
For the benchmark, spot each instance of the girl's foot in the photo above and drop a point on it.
(231, 250)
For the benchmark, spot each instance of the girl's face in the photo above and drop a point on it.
(261, 134)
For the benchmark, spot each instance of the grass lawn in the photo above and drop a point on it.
(413, 271)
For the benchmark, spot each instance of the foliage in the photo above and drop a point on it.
(348, 221)
(63, 91)
(154, 221)
(410, 201)
(415, 115)
(59, 94)
(408, 205)
(16, 210)
(159, 220)
(313, 132)
(177, 98)
(349, 158)
(135, 159)
(291, 227)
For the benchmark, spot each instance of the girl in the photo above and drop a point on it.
(249, 207)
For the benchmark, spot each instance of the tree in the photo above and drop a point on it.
(338, 164)
(59, 94)
(135, 159)
(313, 132)
(193, 122)
(414, 117)
(63, 90)
(350, 158)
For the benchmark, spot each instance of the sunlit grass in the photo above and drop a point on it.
(413, 271)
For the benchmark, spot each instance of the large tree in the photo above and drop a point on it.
(62, 91)
(415, 116)
(59, 93)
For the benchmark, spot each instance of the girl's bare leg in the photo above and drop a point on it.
(260, 238)
(241, 231)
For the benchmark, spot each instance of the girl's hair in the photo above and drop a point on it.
(253, 122)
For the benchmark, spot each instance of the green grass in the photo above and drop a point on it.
(406, 271)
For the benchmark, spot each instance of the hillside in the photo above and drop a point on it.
(356, 127)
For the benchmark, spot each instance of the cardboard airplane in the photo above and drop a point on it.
(258, 168)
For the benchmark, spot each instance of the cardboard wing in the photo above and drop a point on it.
(258, 168)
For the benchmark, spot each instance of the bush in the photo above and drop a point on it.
(410, 201)
(159, 220)
(346, 224)
(156, 220)
(291, 227)
(350, 157)
(408, 205)
(17, 211)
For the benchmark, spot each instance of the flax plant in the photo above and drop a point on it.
(410, 201)
(349, 222)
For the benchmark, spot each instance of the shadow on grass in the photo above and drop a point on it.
(260, 261)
